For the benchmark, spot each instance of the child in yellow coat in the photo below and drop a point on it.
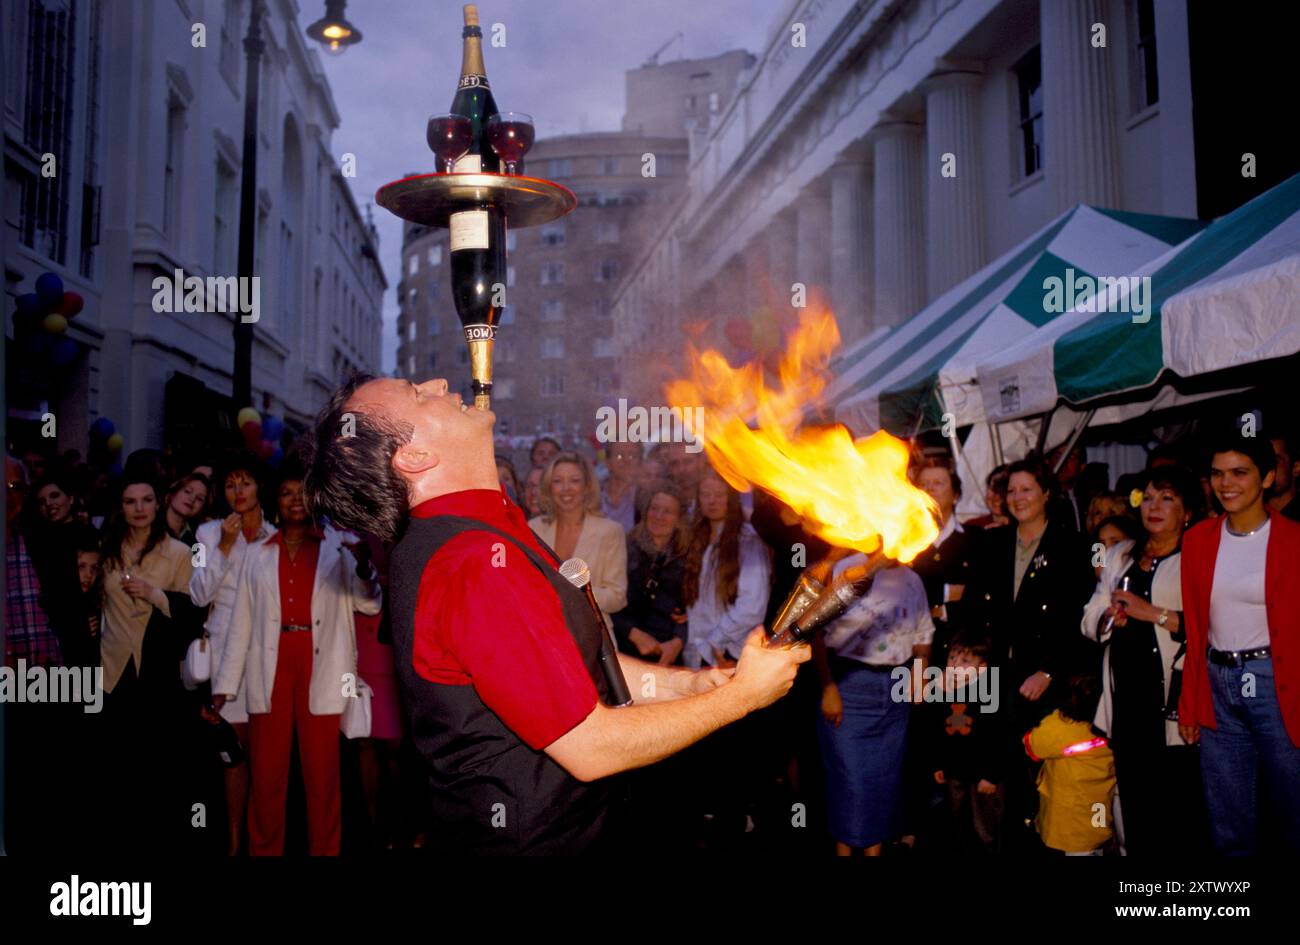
(1077, 782)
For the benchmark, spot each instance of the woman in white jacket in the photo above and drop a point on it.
(225, 542)
(1136, 613)
(292, 643)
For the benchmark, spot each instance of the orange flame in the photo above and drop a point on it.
(852, 494)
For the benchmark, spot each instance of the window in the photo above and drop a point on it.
(663, 165)
(433, 361)
(43, 202)
(412, 296)
(462, 356)
(609, 165)
(435, 326)
(561, 167)
(602, 348)
(690, 103)
(507, 315)
(90, 190)
(435, 256)
(510, 276)
(553, 234)
(410, 330)
(410, 366)
(412, 264)
(225, 219)
(172, 165)
(553, 310)
(608, 270)
(552, 347)
(607, 231)
(715, 102)
(503, 351)
(1147, 85)
(553, 273)
(431, 290)
(511, 241)
(1029, 82)
(504, 388)
(230, 42)
(552, 386)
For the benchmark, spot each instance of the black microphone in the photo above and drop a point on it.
(576, 572)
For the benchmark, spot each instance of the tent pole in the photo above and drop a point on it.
(1074, 438)
(995, 435)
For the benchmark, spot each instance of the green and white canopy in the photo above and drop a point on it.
(1227, 297)
(926, 367)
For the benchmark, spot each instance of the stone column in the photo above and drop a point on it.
(1080, 153)
(781, 255)
(954, 195)
(812, 262)
(851, 247)
(899, 222)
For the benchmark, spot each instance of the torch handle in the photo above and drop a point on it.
(816, 610)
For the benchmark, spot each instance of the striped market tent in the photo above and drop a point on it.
(1228, 297)
(924, 370)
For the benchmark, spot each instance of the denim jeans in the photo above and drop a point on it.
(1249, 745)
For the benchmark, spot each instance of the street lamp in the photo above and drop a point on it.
(333, 31)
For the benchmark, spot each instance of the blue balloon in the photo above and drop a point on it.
(103, 428)
(277, 456)
(115, 470)
(28, 306)
(272, 428)
(49, 288)
(65, 352)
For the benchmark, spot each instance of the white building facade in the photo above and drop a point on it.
(145, 119)
(878, 153)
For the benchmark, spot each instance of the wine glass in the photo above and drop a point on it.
(449, 138)
(511, 135)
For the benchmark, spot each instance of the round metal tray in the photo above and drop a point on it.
(430, 199)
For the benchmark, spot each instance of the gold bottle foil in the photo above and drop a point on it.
(480, 366)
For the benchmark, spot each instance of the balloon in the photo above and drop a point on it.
(264, 450)
(739, 333)
(252, 434)
(28, 306)
(55, 323)
(272, 428)
(102, 428)
(277, 455)
(248, 414)
(115, 442)
(49, 288)
(72, 304)
(115, 470)
(65, 352)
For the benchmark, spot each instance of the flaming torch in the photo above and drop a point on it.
(852, 493)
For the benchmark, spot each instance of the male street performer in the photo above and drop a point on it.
(498, 654)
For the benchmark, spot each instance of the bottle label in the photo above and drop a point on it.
(469, 164)
(469, 230)
(480, 332)
(473, 82)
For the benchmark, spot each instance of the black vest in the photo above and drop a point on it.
(491, 793)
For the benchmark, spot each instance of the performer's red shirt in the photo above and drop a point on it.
(297, 575)
(486, 617)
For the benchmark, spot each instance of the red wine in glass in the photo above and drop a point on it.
(511, 135)
(449, 137)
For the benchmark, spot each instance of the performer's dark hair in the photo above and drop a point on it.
(349, 467)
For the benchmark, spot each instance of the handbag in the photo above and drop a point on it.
(357, 713)
(196, 668)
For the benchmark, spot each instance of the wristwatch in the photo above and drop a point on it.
(1164, 618)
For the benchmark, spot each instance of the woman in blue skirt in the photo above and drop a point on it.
(863, 723)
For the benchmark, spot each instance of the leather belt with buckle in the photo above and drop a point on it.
(1239, 657)
(294, 627)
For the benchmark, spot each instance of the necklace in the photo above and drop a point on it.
(1236, 534)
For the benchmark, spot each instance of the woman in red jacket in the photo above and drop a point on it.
(1241, 687)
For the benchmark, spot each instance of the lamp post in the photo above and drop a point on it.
(253, 47)
(336, 34)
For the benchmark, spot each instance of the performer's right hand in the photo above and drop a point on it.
(765, 674)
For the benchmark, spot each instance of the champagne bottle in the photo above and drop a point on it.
(478, 236)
